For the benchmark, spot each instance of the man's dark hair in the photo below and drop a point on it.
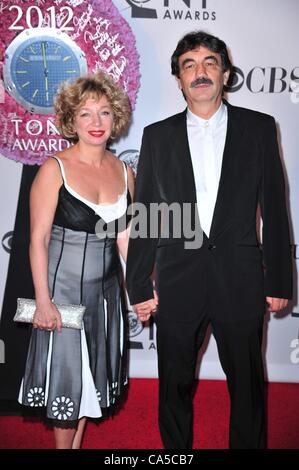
(195, 39)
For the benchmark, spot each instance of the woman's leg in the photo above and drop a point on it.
(79, 434)
(70, 437)
(64, 437)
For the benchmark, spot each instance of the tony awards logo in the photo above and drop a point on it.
(140, 10)
(171, 9)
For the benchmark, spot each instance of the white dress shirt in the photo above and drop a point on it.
(206, 142)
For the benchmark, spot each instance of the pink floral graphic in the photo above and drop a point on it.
(108, 43)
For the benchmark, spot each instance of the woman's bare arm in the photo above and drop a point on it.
(43, 202)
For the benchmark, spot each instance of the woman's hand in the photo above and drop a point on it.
(47, 317)
(145, 309)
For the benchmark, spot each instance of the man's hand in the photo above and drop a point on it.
(274, 304)
(145, 309)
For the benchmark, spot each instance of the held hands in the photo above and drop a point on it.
(47, 317)
(274, 304)
(145, 309)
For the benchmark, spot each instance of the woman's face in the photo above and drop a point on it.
(94, 121)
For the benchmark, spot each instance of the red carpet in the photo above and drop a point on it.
(135, 426)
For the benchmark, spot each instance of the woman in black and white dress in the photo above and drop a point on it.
(79, 220)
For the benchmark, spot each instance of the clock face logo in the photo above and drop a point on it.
(36, 62)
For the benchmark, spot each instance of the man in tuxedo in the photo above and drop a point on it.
(224, 162)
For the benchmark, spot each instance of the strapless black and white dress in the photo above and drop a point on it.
(79, 373)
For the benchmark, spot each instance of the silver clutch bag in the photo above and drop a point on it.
(71, 315)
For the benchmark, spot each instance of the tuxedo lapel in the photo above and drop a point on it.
(223, 201)
(183, 158)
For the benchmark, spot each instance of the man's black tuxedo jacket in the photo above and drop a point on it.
(251, 174)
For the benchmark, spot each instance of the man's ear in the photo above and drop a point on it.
(178, 82)
(226, 77)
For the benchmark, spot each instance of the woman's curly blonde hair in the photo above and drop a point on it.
(71, 97)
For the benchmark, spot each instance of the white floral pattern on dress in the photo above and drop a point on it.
(113, 392)
(36, 396)
(62, 408)
(99, 395)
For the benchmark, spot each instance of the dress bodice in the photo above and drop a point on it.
(77, 213)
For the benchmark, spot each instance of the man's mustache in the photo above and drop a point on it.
(201, 81)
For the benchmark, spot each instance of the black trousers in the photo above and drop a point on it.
(182, 321)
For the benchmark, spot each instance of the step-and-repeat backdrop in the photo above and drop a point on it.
(133, 41)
